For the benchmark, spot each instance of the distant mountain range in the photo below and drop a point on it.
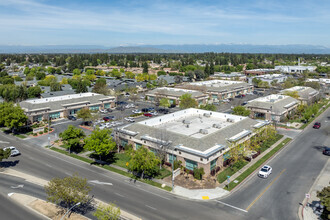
(188, 48)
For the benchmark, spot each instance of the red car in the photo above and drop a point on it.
(317, 125)
(106, 118)
(147, 114)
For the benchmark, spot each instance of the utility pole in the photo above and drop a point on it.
(48, 130)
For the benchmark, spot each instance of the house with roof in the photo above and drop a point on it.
(198, 138)
(275, 107)
(55, 107)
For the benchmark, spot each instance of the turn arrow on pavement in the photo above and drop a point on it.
(100, 183)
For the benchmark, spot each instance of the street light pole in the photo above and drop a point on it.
(48, 131)
(172, 170)
(70, 210)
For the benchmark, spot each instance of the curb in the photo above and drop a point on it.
(304, 202)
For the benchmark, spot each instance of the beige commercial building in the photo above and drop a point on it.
(65, 105)
(272, 107)
(307, 95)
(198, 138)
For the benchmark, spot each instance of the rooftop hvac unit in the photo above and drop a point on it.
(216, 126)
(207, 115)
(187, 122)
(280, 97)
(230, 120)
(272, 100)
(203, 131)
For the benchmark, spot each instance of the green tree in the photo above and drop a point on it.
(55, 86)
(12, 116)
(164, 102)
(143, 161)
(4, 154)
(314, 85)
(107, 212)
(76, 72)
(256, 81)
(129, 75)
(72, 137)
(34, 91)
(51, 70)
(293, 94)
(186, 101)
(161, 72)
(324, 196)
(209, 107)
(85, 114)
(241, 110)
(101, 87)
(100, 141)
(81, 86)
(68, 191)
(145, 67)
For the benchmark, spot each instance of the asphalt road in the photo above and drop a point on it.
(138, 198)
(278, 197)
(11, 210)
(294, 172)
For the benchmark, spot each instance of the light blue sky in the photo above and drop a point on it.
(123, 22)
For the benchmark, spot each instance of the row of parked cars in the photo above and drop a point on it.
(13, 151)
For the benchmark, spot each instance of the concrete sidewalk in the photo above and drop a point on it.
(311, 208)
(253, 161)
(200, 194)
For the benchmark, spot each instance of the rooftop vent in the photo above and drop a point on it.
(280, 97)
(216, 126)
(203, 131)
(272, 100)
(230, 120)
(187, 122)
(207, 115)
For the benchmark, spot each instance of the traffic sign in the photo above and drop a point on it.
(308, 195)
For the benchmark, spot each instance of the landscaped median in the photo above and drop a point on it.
(110, 168)
(255, 166)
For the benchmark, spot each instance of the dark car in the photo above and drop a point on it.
(326, 151)
(106, 118)
(147, 114)
(317, 125)
(230, 99)
(71, 117)
(239, 96)
(163, 110)
(172, 106)
(244, 103)
(145, 110)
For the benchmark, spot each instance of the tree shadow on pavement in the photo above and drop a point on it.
(7, 164)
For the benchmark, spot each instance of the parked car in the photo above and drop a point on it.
(109, 110)
(230, 99)
(326, 151)
(172, 106)
(127, 94)
(71, 117)
(145, 110)
(103, 111)
(154, 113)
(243, 95)
(151, 108)
(137, 111)
(130, 119)
(226, 100)
(216, 103)
(265, 171)
(244, 103)
(249, 93)
(13, 151)
(107, 118)
(317, 125)
(163, 110)
(147, 114)
(239, 96)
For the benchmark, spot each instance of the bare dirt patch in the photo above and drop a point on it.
(53, 211)
(189, 182)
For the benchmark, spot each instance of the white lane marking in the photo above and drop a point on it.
(151, 207)
(67, 173)
(119, 195)
(48, 165)
(51, 155)
(100, 183)
(4, 142)
(234, 207)
(18, 186)
(10, 194)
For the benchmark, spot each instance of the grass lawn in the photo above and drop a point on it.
(121, 159)
(163, 173)
(150, 182)
(255, 166)
(20, 136)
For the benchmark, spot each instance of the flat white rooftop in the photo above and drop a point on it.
(192, 122)
(215, 83)
(297, 88)
(63, 97)
(270, 99)
(175, 90)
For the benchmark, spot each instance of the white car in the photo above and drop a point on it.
(265, 171)
(226, 100)
(249, 93)
(130, 119)
(136, 111)
(13, 151)
(154, 113)
(103, 111)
